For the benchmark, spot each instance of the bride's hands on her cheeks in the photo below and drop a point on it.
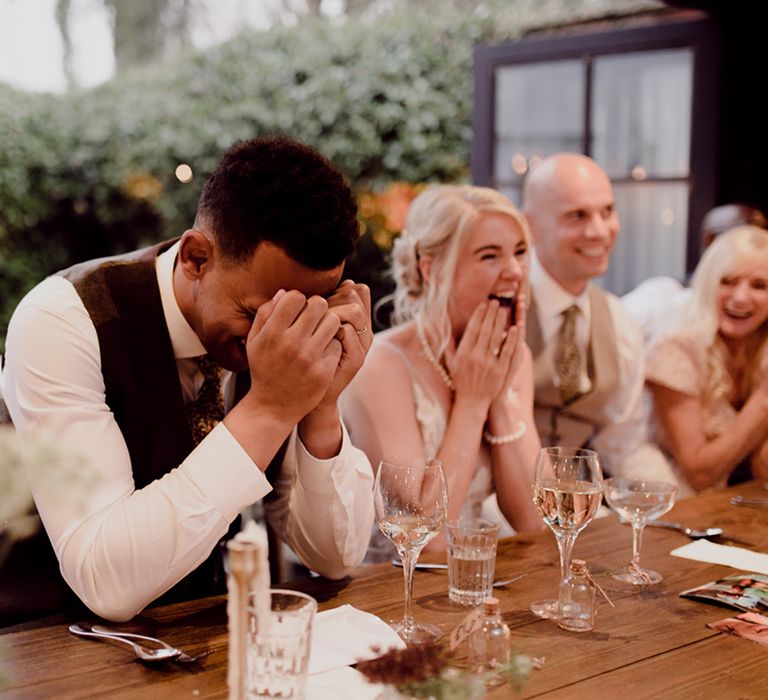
(481, 362)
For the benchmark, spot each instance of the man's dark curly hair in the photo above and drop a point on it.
(276, 189)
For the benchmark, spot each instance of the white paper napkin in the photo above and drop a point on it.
(344, 636)
(737, 557)
(342, 682)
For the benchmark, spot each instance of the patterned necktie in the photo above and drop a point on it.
(568, 357)
(208, 408)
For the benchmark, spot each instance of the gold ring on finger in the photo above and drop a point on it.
(362, 331)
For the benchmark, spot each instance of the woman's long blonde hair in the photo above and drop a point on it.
(728, 251)
(437, 225)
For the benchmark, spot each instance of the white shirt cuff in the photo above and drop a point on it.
(316, 475)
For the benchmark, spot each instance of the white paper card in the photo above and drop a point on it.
(345, 635)
(736, 557)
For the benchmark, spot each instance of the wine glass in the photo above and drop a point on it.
(411, 502)
(567, 490)
(639, 501)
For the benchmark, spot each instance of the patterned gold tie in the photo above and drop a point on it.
(208, 408)
(568, 357)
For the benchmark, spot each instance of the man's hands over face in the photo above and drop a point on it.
(351, 303)
(302, 351)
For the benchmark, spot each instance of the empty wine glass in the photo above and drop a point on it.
(639, 501)
(411, 502)
(567, 490)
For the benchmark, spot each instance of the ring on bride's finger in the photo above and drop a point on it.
(362, 331)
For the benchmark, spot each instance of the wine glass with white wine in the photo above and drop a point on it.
(567, 490)
(411, 502)
(639, 501)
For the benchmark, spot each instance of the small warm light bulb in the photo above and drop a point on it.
(638, 172)
(667, 216)
(184, 173)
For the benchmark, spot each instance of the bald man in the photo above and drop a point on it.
(658, 304)
(588, 353)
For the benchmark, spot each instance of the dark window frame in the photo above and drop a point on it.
(701, 35)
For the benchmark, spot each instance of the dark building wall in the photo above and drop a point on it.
(743, 142)
(742, 134)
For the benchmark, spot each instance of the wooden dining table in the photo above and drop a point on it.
(651, 644)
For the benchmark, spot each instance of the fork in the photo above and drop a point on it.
(182, 656)
(165, 652)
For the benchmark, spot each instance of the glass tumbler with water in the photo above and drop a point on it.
(277, 646)
(471, 559)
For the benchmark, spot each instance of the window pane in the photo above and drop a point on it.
(641, 113)
(539, 111)
(654, 219)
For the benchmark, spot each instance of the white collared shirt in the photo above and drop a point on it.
(622, 444)
(186, 345)
(120, 548)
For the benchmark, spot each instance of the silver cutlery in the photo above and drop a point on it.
(183, 657)
(162, 652)
(505, 582)
(428, 567)
(420, 565)
(691, 532)
(742, 501)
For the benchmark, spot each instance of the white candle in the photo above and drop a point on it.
(248, 573)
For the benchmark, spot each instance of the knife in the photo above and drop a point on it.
(419, 565)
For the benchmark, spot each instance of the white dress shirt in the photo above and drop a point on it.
(120, 548)
(622, 444)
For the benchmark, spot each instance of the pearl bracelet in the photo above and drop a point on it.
(506, 439)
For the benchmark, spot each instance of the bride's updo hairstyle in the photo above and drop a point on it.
(436, 228)
(724, 257)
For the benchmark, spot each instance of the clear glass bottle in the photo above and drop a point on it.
(490, 645)
(576, 605)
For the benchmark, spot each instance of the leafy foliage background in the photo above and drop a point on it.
(387, 99)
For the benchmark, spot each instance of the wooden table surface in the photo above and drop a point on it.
(653, 644)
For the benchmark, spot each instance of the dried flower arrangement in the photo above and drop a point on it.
(425, 671)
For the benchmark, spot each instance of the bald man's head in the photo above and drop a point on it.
(568, 200)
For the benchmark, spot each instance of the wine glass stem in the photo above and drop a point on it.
(565, 545)
(408, 557)
(637, 540)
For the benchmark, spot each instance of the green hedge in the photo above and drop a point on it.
(92, 173)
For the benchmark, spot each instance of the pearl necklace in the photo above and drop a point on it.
(439, 368)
